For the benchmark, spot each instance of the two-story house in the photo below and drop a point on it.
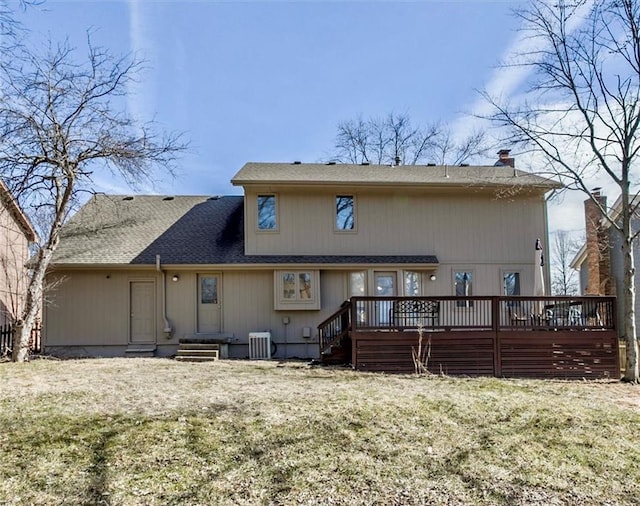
(138, 274)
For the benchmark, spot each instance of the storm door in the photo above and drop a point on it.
(208, 316)
(142, 303)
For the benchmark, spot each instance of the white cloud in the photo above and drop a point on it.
(508, 78)
(137, 104)
(140, 91)
(506, 84)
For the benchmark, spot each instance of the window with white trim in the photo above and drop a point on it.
(297, 289)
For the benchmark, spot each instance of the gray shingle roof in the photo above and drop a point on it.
(374, 175)
(116, 229)
(183, 230)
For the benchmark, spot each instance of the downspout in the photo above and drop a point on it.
(167, 325)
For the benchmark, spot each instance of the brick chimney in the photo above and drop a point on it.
(599, 281)
(504, 159)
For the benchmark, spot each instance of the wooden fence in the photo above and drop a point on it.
(7, 333)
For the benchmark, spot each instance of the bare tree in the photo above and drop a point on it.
(564, 279)
(393, 140)
(59, 124)
(10, 27)
(582, 111)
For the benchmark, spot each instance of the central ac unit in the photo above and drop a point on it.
(259, 345)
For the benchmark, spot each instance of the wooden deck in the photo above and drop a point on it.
(555, 337)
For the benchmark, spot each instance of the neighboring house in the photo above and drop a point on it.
(599, 261)
(16, 235)
(142, 272)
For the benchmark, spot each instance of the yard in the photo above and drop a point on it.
(154, 431)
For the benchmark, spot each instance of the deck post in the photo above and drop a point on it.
(495, 325)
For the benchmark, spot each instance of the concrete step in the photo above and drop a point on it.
(198, 353)
(199, 346)
(141, 350)
(197, 358)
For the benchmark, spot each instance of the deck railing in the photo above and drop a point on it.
(482, 313)
(546, 337)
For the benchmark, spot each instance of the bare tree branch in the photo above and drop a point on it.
(59, 125)
(582, 112)
(393, 139)
(563, 278)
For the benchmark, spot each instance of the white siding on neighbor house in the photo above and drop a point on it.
(470, 227)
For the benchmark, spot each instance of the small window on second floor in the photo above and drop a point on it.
(267, 216)
(345, 212)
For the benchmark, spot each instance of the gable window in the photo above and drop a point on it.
(297, 290)
(267, 215)
(463, 281)
(345, 213)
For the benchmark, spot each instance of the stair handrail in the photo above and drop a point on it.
(335, 327)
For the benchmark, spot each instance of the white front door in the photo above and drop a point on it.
(209, 303)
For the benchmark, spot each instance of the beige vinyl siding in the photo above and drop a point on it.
(248, 306)
(91, 309)
(473, 227)
(182, 296)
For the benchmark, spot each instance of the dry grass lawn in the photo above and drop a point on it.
(153, 431)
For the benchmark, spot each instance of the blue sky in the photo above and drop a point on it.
(271, 80)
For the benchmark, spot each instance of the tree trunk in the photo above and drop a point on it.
(20, 351)
(631, 372)
(23, 327)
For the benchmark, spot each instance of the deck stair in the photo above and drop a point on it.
(198, 352)
(335, 342)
